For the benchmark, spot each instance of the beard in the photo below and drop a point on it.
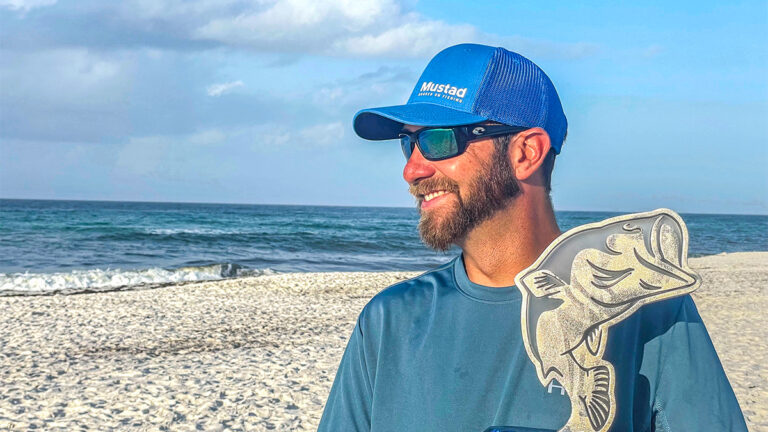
(488, 192)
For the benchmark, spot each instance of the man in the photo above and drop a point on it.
(443, 351)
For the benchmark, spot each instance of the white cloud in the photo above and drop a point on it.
(274, 136)
(155, 153)
(339, 28)
(345, 28)
(297, 25)
(324, 134)
(67, 94)
(206, 137)
(223, 88)
(169, 155)
(25, 6)
(71, 74)
(357, 28)
(539, 48)
(417, 38)
(164, 9)
(385, 86)
(143, 156)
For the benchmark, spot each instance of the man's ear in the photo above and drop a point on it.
(528, 150)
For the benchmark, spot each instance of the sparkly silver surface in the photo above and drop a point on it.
(587, 280)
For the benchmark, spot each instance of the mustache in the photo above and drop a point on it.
(426, 186)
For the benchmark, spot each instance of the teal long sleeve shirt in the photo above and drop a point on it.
(440, 353)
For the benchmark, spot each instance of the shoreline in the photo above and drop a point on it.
(260, 352)
(264, 272)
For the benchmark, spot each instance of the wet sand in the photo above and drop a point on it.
(261, 353)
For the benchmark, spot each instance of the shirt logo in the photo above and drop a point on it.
(552, 385)
(586, 281)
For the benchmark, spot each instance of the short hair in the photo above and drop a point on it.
(547, 166)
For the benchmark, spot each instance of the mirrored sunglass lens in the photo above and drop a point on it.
(406, 145)
(438, 143)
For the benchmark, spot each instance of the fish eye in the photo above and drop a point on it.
(628, 227)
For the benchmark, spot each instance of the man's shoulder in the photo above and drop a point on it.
(410, 294)
(662, 315)
(662, 326)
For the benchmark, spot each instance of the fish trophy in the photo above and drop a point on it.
(587, 280)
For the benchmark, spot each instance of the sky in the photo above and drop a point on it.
(235, 101)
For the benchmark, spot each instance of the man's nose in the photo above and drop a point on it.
(417, 168)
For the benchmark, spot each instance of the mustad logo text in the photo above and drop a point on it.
(442, 90)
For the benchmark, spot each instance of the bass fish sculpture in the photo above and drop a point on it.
(587, 280)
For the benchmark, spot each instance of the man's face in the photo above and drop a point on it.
(457, 194)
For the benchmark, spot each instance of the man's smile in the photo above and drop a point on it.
(430, 192)
(432, 195)
(433, 198)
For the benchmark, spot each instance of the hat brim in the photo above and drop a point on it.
(387, 122)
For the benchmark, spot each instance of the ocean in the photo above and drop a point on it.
(68, 247)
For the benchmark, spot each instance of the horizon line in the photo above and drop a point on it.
(338, 205)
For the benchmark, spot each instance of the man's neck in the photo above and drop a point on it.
(501, 247)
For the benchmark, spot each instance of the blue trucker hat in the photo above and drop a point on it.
(470, 83)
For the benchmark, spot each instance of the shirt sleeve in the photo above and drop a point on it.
(349, 403)
(692, 390)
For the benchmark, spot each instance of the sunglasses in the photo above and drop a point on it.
(444, 143)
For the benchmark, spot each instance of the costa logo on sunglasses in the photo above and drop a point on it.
(443, 88)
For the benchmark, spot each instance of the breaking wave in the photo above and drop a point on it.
(98, 280)
(198, 231)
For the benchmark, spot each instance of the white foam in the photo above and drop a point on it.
(108, 280)
(205, 231)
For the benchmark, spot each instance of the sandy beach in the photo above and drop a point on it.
(260, 353)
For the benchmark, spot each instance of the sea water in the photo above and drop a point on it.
(84, 246)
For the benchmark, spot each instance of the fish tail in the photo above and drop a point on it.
(598, 401)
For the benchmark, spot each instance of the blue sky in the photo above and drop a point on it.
(251, 102)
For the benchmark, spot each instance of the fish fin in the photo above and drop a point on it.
(543, 282)
(671, 245)
(597, 403)
(595, 340)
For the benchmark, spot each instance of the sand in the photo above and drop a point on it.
(261, 353)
